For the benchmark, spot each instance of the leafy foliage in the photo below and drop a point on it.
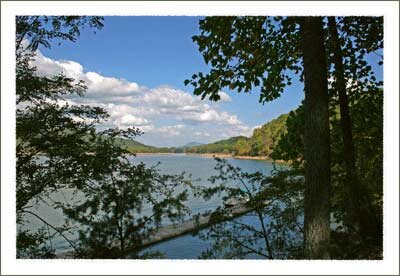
(40, 30)
(47, 128)
(33, 245)
(238, 238)
(367, 114)
(124, 208)
(60, 149)
(273, 228)
(247, 52)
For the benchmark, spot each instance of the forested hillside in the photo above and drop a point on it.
(227, 146)
(261, 143)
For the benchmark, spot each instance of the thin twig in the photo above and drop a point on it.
(53, 227)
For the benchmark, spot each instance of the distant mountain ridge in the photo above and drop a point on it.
(261, 143)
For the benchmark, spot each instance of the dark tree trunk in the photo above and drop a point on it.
(359, 217)
(351, 187)
(121, 239)
(316, 140)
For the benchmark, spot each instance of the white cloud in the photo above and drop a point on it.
(47, 66)
(98, 85)
(162, 112)
(129, 119)
(224, 97)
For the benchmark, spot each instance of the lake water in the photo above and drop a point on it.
(201, 168)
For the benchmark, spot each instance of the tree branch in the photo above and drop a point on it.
(53, 227)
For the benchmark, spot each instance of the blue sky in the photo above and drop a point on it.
(150, 57)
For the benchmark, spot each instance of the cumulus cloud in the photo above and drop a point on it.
(163, 111)
(46, 66)
(98, 85)
(224, 97)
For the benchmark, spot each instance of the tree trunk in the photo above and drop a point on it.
(351, 188)
(359, 217)
(316, 140)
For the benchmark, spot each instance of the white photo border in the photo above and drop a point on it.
(388, 266)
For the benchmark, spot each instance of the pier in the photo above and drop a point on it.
(175, 230)
(178, 229)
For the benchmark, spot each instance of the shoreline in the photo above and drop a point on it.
(224, 155)
(212, 155)
(241, 157)
(155, 153)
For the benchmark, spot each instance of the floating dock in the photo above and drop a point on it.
(178, 229)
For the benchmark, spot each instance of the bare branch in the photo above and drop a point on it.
(53, 227)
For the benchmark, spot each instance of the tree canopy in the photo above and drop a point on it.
(60, 149)
(247, 53)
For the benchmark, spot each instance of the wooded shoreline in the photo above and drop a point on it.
(212, 155)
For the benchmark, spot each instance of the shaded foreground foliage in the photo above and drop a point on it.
(281, 237)
(274, 227)
(263, 53)
(60, 150)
